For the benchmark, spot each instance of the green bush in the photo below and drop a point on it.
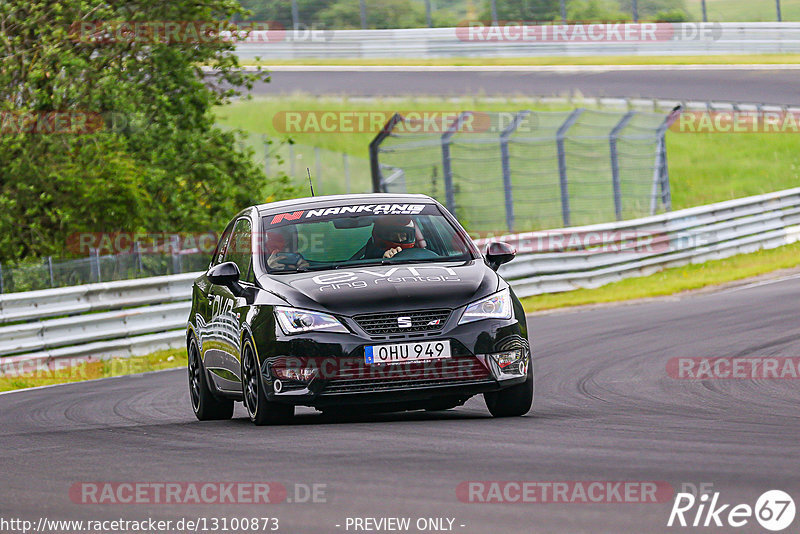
(153, 159)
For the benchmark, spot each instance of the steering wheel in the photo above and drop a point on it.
(415, 254)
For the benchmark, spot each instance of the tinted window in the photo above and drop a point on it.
(219, 252)
(240, 249)
(329, 238)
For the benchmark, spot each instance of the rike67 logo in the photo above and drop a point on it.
(774, 510)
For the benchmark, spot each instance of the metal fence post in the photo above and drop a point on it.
(447, 170)
(705, 13)
(506, 165)
(374, 150)
(666, 191)
(295, 16)
(612, 144)
(346, 164)
(428, 17)
(635, 9)
(363, 15)
(137, 254)
(176, 257)
(661, 172)
(50, 270)
(318, 169)
(563, 11)
(94, 254)
(562, 162)
(778, 9)
(2, 287)
(494, 12)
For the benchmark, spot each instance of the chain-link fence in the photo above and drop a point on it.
(49, 273)
(332, 172)
(530, 170)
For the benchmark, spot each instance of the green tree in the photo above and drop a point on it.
(595, 11)
(527, 10)
(653, 9)
(381, 14)
(161, 164)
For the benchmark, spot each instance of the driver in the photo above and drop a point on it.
(390, 235)
(282, 251)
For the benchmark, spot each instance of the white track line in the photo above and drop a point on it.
(136, 375)
(515, 68)
(761, 283)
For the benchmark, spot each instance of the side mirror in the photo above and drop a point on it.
(227, 275)
(498, 253)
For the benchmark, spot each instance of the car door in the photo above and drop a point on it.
(203, 296)
(222, 359)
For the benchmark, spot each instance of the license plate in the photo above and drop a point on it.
(407, 352)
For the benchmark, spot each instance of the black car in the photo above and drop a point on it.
(358, 302)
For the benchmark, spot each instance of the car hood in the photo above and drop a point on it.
(349, 291)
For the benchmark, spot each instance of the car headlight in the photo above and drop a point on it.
(294, 321)
(497, 306)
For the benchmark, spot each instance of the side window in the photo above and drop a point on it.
(240, 249)
(222, 246)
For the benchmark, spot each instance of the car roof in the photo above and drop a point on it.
(339, 200)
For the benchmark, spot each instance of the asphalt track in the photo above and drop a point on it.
(605, 409)
(737, 84)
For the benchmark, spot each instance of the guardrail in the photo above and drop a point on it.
(591, 256)
(140, 316)
(516, 41)
(93, 321)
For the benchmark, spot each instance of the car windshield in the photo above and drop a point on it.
(362, 234)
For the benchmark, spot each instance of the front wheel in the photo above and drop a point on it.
(260, 410)
(205, 405)
(514, 401)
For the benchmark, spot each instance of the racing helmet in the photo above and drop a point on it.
(392, 231)
(280, 239)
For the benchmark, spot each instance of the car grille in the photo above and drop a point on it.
(446, 372)
(387, 323)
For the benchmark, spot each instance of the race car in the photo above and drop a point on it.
(374, 302)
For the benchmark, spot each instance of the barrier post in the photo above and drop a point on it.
(612, 143)
(506, 165)
(562, 163)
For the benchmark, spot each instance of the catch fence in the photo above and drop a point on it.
(530, 169)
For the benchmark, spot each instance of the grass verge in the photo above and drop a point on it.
(674, 280)
(165, 359)
(704, 167)
(727, 59)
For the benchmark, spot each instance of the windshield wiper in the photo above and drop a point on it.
(290, 271)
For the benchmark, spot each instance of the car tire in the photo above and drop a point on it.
(260, 410)
(205, 405)
(514, 401)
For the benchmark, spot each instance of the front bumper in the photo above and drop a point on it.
(323, 369)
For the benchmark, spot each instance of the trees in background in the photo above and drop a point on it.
(346, 14)
(153, 159)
